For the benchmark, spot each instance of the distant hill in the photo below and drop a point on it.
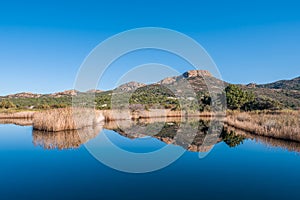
(24, 95)
(293, 84)
(287, 92)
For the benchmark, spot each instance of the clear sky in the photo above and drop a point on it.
(43, 43)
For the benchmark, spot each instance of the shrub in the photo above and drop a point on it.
(7, 104)
(262, 103)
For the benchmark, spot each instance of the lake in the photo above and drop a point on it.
(39, 165)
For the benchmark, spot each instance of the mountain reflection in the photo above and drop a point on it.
(191, 134)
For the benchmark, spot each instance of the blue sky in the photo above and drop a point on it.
(43, 43)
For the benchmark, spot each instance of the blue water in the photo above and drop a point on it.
(251, 170)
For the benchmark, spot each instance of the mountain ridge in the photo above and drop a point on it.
(287, 84)
(287, 92)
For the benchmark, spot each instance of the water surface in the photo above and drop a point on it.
(37, 165)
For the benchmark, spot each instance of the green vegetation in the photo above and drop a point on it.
(150, 97)
(287, 98)
(38, 103)
(155, 96)
(6, 104)
(240, 99)
(262, 103)
(237, 98)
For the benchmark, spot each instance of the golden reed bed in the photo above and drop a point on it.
(17, 121)
(280, 124)
(17, 115)
(66, 119)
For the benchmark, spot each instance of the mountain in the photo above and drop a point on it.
(64, 93)
(293, 84)
(197, 80)
(285, 92)
(24, 95)
(129, 86)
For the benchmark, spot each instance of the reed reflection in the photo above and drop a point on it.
(65, 139)
(19, 122)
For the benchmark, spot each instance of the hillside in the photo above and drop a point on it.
(287, 92)
(293, 84)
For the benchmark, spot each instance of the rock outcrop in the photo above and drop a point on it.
(251, 85)
(130, 86)
(65, 93)
(24, 95)
(168, 80)
(194, 73)
(94, 91)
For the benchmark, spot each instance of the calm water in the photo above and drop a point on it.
(36, 165)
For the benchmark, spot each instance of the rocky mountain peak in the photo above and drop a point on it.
(194, 73)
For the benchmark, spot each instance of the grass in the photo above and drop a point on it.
(277, 124)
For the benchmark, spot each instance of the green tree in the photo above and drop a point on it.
(236, 97)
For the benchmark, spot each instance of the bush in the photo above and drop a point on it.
(43, 106)
(262, 103)
(7, 104)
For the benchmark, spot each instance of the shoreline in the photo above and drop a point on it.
(17, 114)
(283, 124)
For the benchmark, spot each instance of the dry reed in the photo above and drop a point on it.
(282, 125)
(17, 115)
(17, 121)
(65, 119)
